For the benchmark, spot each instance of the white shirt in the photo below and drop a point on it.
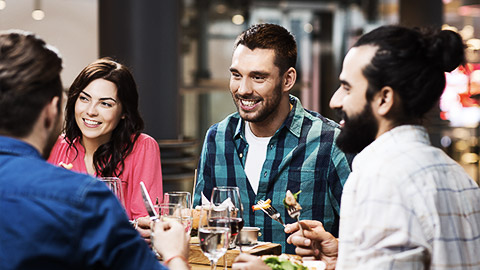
(257, 152)
(407, 205)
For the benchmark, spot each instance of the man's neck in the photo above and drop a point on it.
(269, 126)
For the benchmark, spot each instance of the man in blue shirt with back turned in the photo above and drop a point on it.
(52, 218)
(272, 144)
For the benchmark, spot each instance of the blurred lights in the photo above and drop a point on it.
(221, 8)
(238, 19)
(38, 14)
(446, 141)
(469, 158)
(308, 28)
(3, 4)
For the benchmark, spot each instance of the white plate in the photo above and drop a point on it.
(314, 265)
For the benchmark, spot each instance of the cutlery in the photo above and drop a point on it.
(294, 213)
(148, 202)
(272, 212)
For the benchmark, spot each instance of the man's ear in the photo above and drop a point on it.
(51, 112)
(384, 101)
(289, 78)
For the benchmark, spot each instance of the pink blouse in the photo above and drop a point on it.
(142, 164)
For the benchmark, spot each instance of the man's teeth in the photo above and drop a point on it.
(91, 122)
(248, 102)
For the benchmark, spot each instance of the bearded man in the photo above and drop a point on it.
(272, 144)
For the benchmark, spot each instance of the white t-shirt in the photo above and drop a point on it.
(257, 152)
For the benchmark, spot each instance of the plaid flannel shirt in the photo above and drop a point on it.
(302, 155)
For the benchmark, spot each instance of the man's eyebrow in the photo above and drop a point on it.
(259, 73)
(343, 82)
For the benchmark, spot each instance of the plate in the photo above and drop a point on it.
(314, 265)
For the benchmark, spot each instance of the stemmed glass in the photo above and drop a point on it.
(184, 199)
(230, 197)
(213, 232)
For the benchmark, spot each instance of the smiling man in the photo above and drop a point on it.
(272, 144)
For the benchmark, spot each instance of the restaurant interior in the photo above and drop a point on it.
(180, 50)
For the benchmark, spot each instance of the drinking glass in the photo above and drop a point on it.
(213, 233)
(184, 199)
(230, 197)
(169, 211)
(115, 185)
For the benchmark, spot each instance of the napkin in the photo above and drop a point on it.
(206, 204)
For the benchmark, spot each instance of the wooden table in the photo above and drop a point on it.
(198, 261)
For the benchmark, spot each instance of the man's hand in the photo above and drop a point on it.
(249, 262)
(143, 228)
(317, 242)
(171, 242)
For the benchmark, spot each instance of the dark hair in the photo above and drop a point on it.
(29, 79)
(413, 63)
(271, 36)
(110, 155)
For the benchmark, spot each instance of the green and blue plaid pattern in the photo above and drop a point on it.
(302, 155)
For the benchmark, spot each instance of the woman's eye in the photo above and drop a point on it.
(106, 104)
(83, 98)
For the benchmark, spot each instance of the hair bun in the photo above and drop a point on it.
(447, 49)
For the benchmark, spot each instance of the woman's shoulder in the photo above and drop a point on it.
(145, 141)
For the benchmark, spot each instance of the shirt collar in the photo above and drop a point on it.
(17, 147)
(293, 122)
(399, 134)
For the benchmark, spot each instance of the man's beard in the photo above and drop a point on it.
(52, 138)
(269, 108)
(358, 131)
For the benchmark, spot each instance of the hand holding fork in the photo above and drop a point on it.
(294, 213)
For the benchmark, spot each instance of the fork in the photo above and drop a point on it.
(272, 212)
(294, 213)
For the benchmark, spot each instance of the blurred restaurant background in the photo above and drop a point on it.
(180, 50)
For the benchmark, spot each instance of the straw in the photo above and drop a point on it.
(194, 185)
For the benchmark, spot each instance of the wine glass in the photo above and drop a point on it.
(230, 197)
(184, 199)
(213, 232)
(115, 185)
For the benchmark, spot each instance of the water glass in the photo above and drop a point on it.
(184, 199)
(214, 233)
(169, 211)
(115, 185)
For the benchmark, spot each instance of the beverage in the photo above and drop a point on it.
(235, 224)
(213, 241)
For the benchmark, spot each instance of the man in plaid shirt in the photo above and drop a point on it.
(272, 144)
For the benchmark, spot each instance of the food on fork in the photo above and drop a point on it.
(291, 200)
(65, 165)
(262, 205)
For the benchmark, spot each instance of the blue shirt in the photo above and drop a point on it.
(52, 218)
(302, 155)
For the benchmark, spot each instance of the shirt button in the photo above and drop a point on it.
(241, 155)
(265, 174)
(271, 146)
